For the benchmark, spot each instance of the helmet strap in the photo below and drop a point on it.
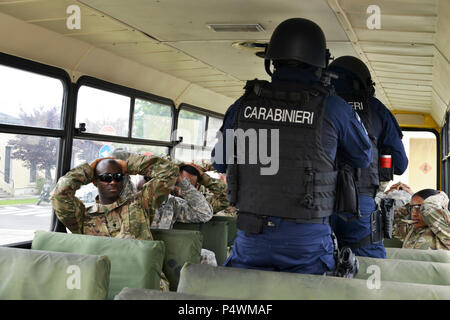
(267, 66)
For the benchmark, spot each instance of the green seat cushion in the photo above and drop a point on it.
(416, 254)
(239, 283)
(134, 263)
(215, 236)
(46, 275)
(151, 294)
(232, 227)
(425, 272)
(180, 246)
(392, 243)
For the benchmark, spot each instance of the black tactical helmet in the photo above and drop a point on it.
(298, 39)
(355, 66)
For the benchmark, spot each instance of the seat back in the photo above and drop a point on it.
(215, 236)
(425, 272)
(420, 255)
(392, 243)
(134, 263)
(180, 246)
(239, 283)
(232, 227)
(46, 275)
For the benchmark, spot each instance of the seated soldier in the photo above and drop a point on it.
(214, 190)
(114, 215)
(188, 205)
(424, 223)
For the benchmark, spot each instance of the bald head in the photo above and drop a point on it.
(107, 164)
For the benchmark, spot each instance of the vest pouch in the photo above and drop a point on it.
(251, 223)
(386, 174)
(376, 226)
(232, 184)
(347, 194)
(385, 168)
(387, 212)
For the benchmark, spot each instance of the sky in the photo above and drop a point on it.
(22, 89)
(27, 90)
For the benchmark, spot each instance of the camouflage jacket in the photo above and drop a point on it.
(215, 192)
(401, 197)
(125, 218)
(436, 235)
(192, 208)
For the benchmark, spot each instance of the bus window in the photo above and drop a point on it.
(191, 126)
(198, 130)
(31, 117)
(152, 120)
(103, 112)
(421, 149)
(214, 125)
(27, 175)
(30, 99)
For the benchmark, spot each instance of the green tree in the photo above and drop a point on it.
(38, 151)
(152, 120)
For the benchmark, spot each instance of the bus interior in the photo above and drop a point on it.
(79, 78)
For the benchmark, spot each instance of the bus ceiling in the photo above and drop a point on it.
(202, 54)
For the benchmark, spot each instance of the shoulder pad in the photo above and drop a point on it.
(255, 85)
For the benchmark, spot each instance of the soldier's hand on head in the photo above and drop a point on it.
(400, 186)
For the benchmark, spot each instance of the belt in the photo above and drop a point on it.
(315, 220)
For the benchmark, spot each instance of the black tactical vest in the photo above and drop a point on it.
(368, 179)
(304, 186)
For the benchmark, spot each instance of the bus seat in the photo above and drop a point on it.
(134, 263)
(239, 283)
(46, 275)
(425, 272)
(392, 243)
(232, 227)
(416, 254)
(151, 294)
(215, 236)
(180, 246)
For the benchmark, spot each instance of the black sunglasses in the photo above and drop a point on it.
(108, 177)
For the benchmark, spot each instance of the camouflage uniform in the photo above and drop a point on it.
(125, 218)
(215, 192)
(401, 197)
(228, 212)
(436, 235)
(192, 208)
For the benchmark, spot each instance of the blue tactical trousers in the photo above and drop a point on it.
(355, 230)
(287, 246)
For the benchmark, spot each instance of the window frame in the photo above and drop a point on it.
(133, 94)
(438, 150)
(63, 133)
(445, 159)
(201, 111)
